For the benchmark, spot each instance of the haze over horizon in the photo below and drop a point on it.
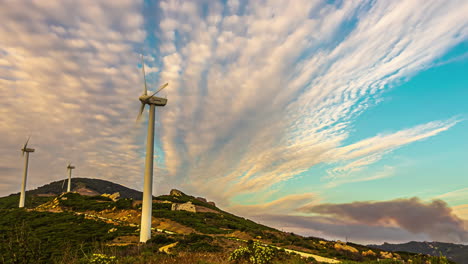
(326, 118)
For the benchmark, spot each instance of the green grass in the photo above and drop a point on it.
(211, 223)
(30, 201)
(45, 235)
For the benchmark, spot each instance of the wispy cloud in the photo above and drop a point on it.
(454, 197)
(283, 205)
(358, 156)
(260, 95)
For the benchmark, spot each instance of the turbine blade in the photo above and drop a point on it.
(142, 107)
(145, 92)
(26, 144)
(160, 88)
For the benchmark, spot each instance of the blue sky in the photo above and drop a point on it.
(297, 114)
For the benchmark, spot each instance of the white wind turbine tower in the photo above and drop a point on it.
(152, 101)
(26, 150)
(69, 169)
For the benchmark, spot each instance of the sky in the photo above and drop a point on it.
(336, 119)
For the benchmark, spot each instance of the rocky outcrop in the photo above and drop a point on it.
(188, 206)
(114, 196)
(201, 199)
(175, 192)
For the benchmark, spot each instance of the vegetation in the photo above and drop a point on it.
(31, 201)
(254, 253)
(71, 228)
(198, 243)
(101, 259)
(211, 223)
(41, 236)
(80, 203)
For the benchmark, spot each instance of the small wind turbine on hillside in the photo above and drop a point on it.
(69, 169)
(152, 101)
(26, 150)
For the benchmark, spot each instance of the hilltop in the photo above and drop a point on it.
(85, 186)
(72, 228)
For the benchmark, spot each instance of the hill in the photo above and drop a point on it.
(86, 186)
(455, 252)
(76, 228)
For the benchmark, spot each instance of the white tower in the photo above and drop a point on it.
(26, 150)
(69, 169)
(152, 101)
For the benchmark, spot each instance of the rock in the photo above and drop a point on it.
(368, 253)
(188, 206)
(341, 246)
(114, 196)
(175, 192)
(201, 199)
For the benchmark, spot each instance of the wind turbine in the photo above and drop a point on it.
(152, 101)
(69, 168)
(26, 150)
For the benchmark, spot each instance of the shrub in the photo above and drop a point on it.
(198, 243)
(101, 259)
(161, 239)
(254, 253)
(124, 204)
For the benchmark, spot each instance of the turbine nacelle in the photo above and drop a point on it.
(70, 167)
(25, 147)
(27, 150)
(158, 101)
(146, 99)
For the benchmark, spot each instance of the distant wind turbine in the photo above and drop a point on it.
(69, 168)
(26, 150)
(152, 101)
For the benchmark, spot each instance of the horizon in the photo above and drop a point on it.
(324, 118)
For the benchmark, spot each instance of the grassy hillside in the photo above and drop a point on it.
(72, 228)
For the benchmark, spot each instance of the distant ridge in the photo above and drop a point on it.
(455, 252)
(86, 186)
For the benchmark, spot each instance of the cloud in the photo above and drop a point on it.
(462, 212)
(435, 219)
(456, 196)
(337, 229)
(358, 156)
(258, 95)
(67, 80)
(284, 205)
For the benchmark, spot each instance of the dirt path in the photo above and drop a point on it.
(307, 255)
(166, 248)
